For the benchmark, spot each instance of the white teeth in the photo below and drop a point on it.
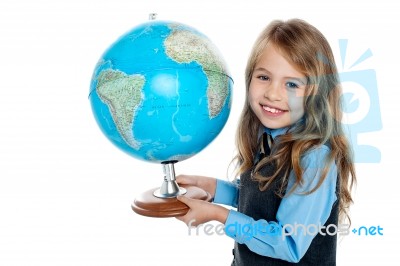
(272, 110)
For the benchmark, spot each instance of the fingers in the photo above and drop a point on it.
(184, 199)
(190, 217)
(180, 218)
(181, 179)
(186, 180)
(187, 217)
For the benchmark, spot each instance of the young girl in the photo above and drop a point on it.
(295, 165)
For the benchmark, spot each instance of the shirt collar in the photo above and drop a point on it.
(276, 132)
(281, 131)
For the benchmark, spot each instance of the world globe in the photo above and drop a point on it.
(161, 92)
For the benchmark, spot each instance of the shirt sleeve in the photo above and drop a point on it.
(299, 217)
(226, 193)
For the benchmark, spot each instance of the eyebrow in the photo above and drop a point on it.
(301, 80)
(260, 69)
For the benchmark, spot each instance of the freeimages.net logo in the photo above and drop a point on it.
(361, 105)
(276, 229)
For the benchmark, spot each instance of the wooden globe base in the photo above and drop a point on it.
(147, 204)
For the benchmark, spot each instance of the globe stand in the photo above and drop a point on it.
(162, 202)
(169, 188)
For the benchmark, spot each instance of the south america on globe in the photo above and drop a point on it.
(161, 92)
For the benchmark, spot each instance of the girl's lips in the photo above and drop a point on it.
(272, 110)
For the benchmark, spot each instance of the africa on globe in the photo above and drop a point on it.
(161, 92)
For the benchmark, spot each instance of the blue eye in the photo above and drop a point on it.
(292, 85)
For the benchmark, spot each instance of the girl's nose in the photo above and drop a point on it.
(273, 92)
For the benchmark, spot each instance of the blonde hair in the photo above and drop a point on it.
(306, 48)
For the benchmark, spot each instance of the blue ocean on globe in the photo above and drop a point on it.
(161, 92)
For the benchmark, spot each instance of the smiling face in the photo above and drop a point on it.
(277, 90)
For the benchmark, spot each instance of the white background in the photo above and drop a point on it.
(65, 190)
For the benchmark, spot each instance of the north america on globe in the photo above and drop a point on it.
(161, 92)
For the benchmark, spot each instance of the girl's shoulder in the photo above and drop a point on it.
(319, 149)
(316, 156)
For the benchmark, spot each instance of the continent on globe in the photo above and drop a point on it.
(161, 92)
(184, 46)
(122, 94)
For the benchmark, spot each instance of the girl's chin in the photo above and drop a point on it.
(274, 124)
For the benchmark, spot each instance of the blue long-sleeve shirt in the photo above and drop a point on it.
(299, 215)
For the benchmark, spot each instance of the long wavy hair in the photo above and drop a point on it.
(309, 52)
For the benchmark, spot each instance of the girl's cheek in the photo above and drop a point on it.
(296, 106)
(295, 100)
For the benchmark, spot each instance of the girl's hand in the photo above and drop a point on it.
(207, 183)
(202, 212)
